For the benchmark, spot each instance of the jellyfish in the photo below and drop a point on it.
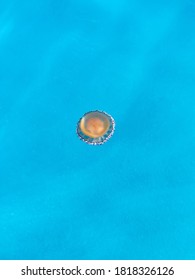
(95, 127)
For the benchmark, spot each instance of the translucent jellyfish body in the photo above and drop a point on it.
(95, 127)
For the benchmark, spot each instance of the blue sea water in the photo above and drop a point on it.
(134, 196)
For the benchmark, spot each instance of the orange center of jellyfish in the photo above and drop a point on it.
(94, 125)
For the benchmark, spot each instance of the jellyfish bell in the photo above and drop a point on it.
(95, 127)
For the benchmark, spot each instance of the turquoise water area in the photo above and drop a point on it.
(134, 196)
